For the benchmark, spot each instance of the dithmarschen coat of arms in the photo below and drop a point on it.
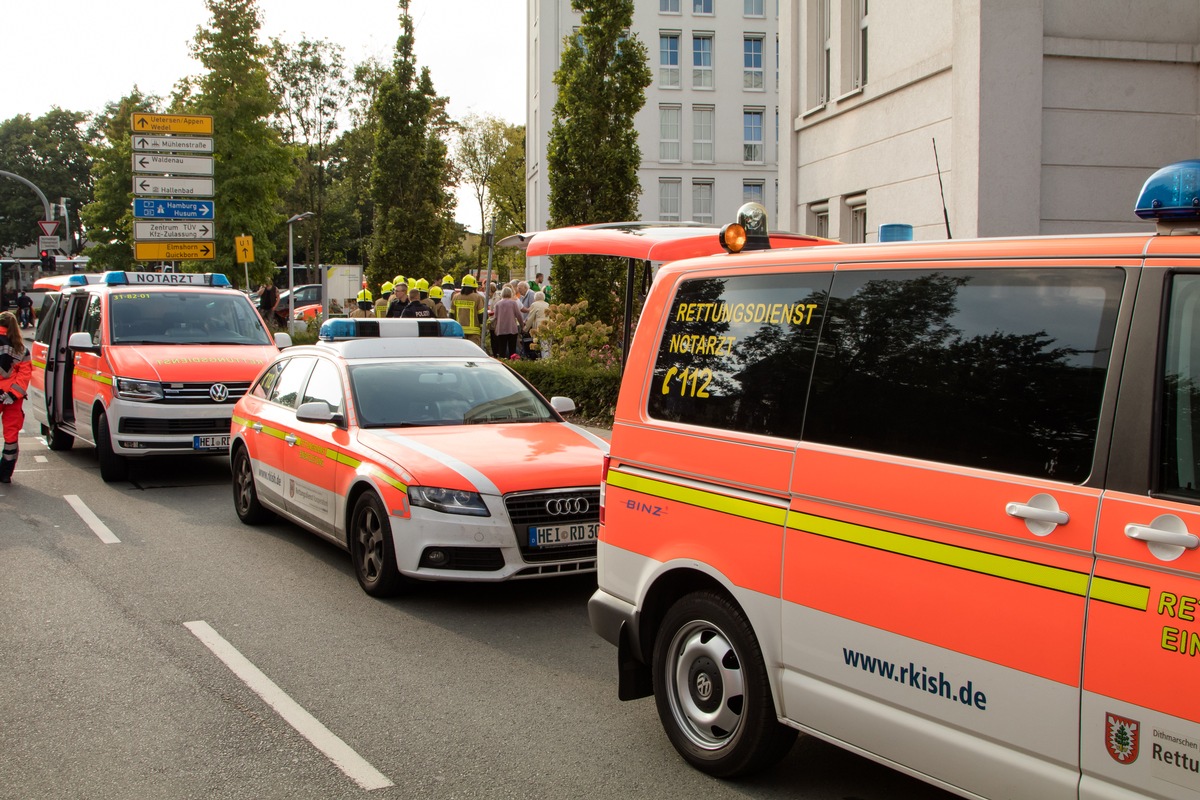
(1121, 738)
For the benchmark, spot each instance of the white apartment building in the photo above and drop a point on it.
(1047, 114)
(708, 130)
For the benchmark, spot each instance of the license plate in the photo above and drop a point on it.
(217, 442)
(559, 535)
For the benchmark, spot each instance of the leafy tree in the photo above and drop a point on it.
(411, 174)
(253, 166)
(109, 217)
(50, 153)
(481, 145)
(507, 184)
(593, 154)
(310, 78)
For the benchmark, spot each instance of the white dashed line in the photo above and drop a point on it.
(93, 522)
(41, 460)
(341, 754)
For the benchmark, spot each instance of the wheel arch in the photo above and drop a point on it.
(663, 593)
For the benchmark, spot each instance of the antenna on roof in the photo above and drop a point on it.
(945, 213)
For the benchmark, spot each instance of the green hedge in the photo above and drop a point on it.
(594, 389)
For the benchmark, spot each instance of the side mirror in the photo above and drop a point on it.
(318, 412)
(282, 340)
(563, 405)
(80, 340)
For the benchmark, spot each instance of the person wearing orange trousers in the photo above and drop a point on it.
(15, 368)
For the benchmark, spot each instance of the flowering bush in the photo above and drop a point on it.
(572, 339)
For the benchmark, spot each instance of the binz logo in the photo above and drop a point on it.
(646, 508)
(561, 506)
(1121, 738)
(219, 392)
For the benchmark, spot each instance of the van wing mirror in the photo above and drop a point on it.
(282, 340)
(563, 405)
(81, 340)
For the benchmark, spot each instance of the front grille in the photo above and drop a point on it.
(173, 427)
(473, 559)
(198, 393)
(529, 510)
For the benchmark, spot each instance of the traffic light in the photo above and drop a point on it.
(48, 264)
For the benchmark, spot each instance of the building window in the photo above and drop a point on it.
(752, 63)
(702, 61)
(818, 219)
(753, 8)
(668, 6)
(670, 125)
(857, 206)
(752, 137)
(704, 123)
(702, 6)
(821, 52)
(669, 191)
(752, 192)
(858, 44)
(668, 60)
(702, 201)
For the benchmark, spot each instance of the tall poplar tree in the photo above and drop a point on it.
(411, 174)
(253, 167)
(593, 154)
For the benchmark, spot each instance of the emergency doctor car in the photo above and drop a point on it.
(935, 502)
(145, 364)
(408, 446)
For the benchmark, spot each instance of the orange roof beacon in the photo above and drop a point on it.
(143, 364)
(934, 502)
(426, 459)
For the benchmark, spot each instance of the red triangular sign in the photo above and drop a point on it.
(48, 226)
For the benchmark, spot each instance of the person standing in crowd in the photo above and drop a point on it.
(469, 309)
(439, 309)
(416, 308)
(508, 324)
(385, 297)
(399, 297)
(15, 370)
(535, 285)
(25, 310)
(534, 317)
(366, 306)
(447, 293)
(268, 298)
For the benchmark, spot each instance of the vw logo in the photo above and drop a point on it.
(704, 686)
(219, 393)
(561, 506)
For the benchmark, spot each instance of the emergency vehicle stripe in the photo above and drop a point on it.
(98, 378)
(39, 364)
(774, 515)
(1013, 569)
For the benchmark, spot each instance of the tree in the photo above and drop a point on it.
(507, 184)
(481, 145)
(310, 79)
(50, 153)
(109, 217)
(593, 154)
(253, 167)
(411, 175)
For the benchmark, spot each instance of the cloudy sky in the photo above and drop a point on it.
(82, 54)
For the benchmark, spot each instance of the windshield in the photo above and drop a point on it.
(185, 317)
(395, 394)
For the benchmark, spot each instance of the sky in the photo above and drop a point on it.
(82, 54)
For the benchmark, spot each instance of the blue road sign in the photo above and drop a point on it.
(156, 208)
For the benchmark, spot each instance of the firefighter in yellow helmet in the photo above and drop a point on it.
(366, 306)
(469, 308)
(381, 305)
(435, 297)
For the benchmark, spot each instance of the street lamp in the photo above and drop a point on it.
(291, 281)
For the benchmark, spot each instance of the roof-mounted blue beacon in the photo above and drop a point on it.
(1171, 197)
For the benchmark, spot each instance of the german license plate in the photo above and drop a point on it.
(215, 442)
(559, 535)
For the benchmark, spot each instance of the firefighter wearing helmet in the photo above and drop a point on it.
(469, 308)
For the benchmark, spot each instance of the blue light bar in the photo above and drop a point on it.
(1172, 193)
(368, 328)
(119, 278)
(77, 280)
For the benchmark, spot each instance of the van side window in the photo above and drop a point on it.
(998, 369)
(1180, 446)
(92, 319)
(737, 353)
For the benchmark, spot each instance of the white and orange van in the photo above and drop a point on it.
(935, 502)
(144, 364)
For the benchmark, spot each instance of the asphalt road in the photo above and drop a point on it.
(130, 642)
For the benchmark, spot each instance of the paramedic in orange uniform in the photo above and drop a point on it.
(15, 370)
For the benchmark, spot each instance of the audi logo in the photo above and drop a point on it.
(219, 392)
(562, 506)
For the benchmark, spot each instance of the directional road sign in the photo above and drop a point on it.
(161, 208)
(179, 231)
(244, 249)
(173, 123)
(173, 144)
(188, 187)
(160, 163)
(172, 251)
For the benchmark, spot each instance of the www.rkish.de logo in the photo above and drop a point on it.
(1121, 738)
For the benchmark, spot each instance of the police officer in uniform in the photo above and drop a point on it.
(416, 308)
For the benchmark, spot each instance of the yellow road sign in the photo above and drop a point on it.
(200, 124)
(173, 251)
(244, 245)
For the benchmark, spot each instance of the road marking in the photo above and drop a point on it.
(41, 460)
(93, 522)
(341, 754)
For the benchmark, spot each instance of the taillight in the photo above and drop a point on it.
(603, 487)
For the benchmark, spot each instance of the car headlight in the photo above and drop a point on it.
(132, 389)
(448, 501)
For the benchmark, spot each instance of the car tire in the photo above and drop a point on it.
(56, 439)
(371, 548)
(712, 691)
(113, 467)
(245, 494)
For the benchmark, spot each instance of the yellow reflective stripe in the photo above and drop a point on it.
(98, 378)
(39, 364)
(1129, 595)
(388, 479)
(748, 509)
(343, 458)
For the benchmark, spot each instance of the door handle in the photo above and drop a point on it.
(1145, 533)
(256, 427)
(291, 438)
(1041, 514)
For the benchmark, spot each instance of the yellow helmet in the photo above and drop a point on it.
(399, 279)
(435, 292)
(447, 280)
(387, 287)
(469, 280)
(422, 285)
